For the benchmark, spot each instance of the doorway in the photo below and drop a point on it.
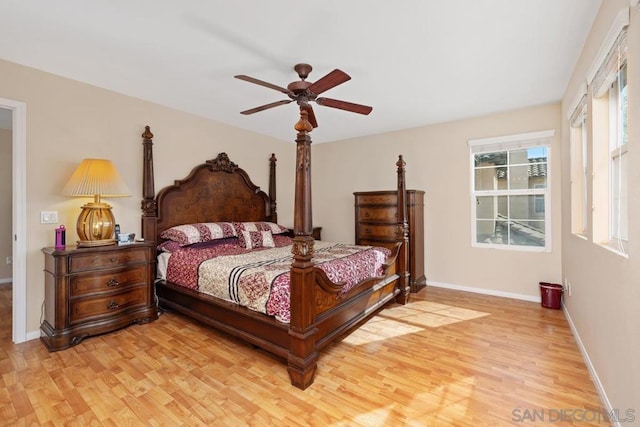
(6, 227)
(18, 218)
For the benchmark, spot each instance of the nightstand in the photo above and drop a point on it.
(91, 291)
(316, 232)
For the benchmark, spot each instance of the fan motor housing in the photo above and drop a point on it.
(299, 86)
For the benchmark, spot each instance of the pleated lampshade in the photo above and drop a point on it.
(96, 178)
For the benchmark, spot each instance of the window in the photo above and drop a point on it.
(510, 192)
(579, 172)
(618, 159)
(608, 85)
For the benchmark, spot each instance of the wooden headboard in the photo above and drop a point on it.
(217, 190)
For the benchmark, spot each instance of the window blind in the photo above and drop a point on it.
(579, 112)
(613, 62)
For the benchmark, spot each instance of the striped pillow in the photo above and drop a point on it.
(256, 239)
(200, 232)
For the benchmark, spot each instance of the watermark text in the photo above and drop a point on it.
(558, 415)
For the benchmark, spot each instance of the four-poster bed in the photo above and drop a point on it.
(320, 310)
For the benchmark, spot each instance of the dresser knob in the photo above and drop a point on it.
(366, 215)
(112, 283)
(367, 231)
(113, 305)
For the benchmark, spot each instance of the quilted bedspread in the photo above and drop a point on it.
(260, 279)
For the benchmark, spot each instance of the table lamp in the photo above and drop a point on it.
(96, 178)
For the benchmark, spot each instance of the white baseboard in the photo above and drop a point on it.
(8, 280)
(592, 370)
(33, 335)
(485, 291)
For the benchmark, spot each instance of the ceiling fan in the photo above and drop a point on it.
(303, 92)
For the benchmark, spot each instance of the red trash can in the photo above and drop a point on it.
(551, 294)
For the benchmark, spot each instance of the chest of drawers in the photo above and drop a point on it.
(376, 224)
(91, 291)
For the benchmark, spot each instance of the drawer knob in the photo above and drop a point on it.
(367, 231)
(112, 283)
(112, 305)
(367, 215)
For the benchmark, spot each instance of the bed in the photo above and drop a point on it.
(321, 311)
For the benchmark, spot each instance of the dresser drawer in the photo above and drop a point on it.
(107, 259)
(377, 231)
(83, 309)
(388, 198)
(378, 214)
(86, 283)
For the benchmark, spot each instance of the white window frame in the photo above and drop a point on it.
(611, 201)
(577, 117)
(511, 143)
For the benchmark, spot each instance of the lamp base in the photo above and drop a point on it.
(95, 225)
(92, 243)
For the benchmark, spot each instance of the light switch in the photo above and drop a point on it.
(49, 217)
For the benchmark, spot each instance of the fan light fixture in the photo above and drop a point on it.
(96, 178)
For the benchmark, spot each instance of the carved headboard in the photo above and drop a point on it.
(217, 190)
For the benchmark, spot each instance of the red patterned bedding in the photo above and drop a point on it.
(259, 279)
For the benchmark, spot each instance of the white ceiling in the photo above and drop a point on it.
(417, 62)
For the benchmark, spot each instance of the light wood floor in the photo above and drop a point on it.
(448, 358)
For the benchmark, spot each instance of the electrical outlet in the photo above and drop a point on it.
(48, 217)
(9, 260)
(567, 287)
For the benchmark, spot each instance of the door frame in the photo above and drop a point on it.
(19, 217)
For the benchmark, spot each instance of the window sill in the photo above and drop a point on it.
(513, 248)
(615, 249)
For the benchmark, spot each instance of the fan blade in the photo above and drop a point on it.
(266, 106)
(332, 79)
(311, 116)
(263, 83)
(344, 105)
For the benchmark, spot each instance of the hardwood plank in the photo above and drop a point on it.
(446, 358)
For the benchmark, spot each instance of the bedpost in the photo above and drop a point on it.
(272, 188)
(148, 205)
(402, 234)
(302, 359)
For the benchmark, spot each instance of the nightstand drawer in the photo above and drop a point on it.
(83, 284)
(83, 309)
(374, 231)
(96, 260)
(380, 214)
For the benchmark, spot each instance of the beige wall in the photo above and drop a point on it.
(604, 304)
(438, 162)
(5, 203)
(68, 121)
